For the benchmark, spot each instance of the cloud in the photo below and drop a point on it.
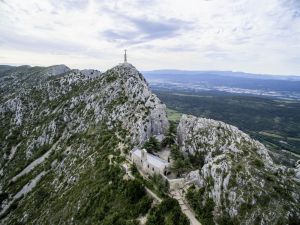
(192, 34)
(146, 30)
(158, 29)
(115, 35)
(40, 45)
(143, 29)
(70, 4)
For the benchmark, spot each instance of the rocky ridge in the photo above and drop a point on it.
(56, 124)
(236, 177)
(91, 73)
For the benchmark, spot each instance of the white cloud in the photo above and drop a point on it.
(240, 35)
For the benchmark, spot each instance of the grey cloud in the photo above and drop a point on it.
(214, 55)
(181, 48)
(213, 51)
(241, 40)
(296, 14)
(155, 29)
(45, 27)
(112, 35)
(293, 7)
(295, 59)
(70, 4)
(174, 48)
(146, 30)
(33, 44)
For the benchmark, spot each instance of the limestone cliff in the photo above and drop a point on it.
(141, 112)
(236, 177)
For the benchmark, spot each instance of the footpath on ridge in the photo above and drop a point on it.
(175, 193)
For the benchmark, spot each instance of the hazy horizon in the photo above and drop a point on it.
(165, 69)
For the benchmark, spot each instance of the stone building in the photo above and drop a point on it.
(148, 163)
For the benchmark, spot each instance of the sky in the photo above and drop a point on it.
(257, 36)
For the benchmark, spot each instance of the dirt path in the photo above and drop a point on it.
(153, 195)
(174, 194)
(184, 207)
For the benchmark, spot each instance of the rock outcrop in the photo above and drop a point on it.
(297, 170)
(56, 70)
(91, 73)
(149, 113)
(237, 174)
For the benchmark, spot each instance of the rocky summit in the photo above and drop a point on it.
(65, 135)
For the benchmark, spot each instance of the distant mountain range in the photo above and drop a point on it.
(225, 73)
(284, 87)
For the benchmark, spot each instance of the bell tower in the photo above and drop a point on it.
(144, 155)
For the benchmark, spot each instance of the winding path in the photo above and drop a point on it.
(185, 207)
(174, 194)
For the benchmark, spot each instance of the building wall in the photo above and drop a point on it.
(145, 166)
(137, 161)
(151, 169)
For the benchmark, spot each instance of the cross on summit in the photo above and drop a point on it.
(125, 56)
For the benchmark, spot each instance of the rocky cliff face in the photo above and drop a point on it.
(141, 111)
(91, 73)
(57, 128)
(236, 180)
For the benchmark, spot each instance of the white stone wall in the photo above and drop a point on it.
(145, 166)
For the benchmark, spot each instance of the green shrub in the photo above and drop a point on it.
(167, 212)
(152, 145)
(198, 159)
(170, 136)
(3, 196)
(258, 163)
(40, 196)
(161, 185)
(225, 219)
(202, 207)
(134, 191)
(182, 164)
(232, 181)
(144, 205)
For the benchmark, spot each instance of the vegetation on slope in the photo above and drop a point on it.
(152, 145)
(168, 212)
(96, 193)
